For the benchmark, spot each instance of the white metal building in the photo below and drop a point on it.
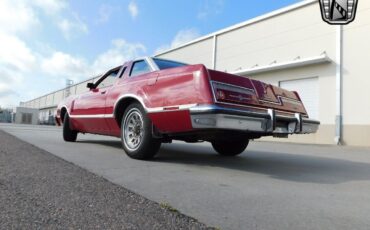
(293, 48)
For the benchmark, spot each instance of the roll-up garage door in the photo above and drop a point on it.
(308, 90)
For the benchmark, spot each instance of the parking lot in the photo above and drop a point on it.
(270, 186)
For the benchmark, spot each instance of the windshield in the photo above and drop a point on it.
(167, 64)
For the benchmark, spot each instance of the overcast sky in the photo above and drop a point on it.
(45, 42)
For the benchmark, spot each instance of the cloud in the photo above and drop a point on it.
(182, 37)
(105, 12)
(72, 27)
(77, 68)
(209, 8)
(50, 6)
(8, 96)
(16, 16)
(26, 72)
(60, 63)
(15, 54)
(9, 79)
(22, 68)
(120, 52)
(57, 66)
(19, 16)
(6, 91)
(133, 9)
(15, 71)
(68, 21)
(17, 60)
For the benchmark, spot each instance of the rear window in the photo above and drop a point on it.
(167, 64)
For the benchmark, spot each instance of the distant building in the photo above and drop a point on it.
(26, 116)
(5, 116)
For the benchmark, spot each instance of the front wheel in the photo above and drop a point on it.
(136, 134)
(230, 148)
(69, 135)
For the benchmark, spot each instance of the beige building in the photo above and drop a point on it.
(27, 116)
(293, 48)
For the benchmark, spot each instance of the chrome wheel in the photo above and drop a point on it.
(136, 135)
(133, 129)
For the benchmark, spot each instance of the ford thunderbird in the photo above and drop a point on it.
(150, 101)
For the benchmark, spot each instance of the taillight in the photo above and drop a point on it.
(231, 93)
(220, 95)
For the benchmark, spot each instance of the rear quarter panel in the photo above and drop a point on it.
(184, 85)
(178, 87)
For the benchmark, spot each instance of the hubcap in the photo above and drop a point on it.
(133, 129)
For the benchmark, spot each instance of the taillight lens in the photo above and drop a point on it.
(220, 95)
(230, 93)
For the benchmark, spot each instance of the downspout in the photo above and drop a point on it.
(214, 52)
(339, 86)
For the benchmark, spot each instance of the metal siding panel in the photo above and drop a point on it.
(197, 53)
(282, 38)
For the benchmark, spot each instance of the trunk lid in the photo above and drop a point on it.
(241, 91)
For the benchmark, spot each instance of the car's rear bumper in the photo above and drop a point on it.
(218, 117)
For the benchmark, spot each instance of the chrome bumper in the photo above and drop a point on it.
(217, 117)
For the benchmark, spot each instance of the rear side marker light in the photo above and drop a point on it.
(171, 108)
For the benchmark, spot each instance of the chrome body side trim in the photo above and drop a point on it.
(92, 116)
(249, 90)
(129, 96)
(170, 108)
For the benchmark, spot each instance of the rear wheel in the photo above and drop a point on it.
(69, 135)
(136, 134)
(230, 148)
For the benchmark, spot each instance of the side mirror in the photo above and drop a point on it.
(90, 85)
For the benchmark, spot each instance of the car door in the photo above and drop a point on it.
(89, 109)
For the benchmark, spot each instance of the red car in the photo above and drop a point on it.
(149, 101)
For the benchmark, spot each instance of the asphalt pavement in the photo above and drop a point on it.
(269, 186)
(41, 191)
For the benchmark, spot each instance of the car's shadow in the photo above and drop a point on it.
(303, 168)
